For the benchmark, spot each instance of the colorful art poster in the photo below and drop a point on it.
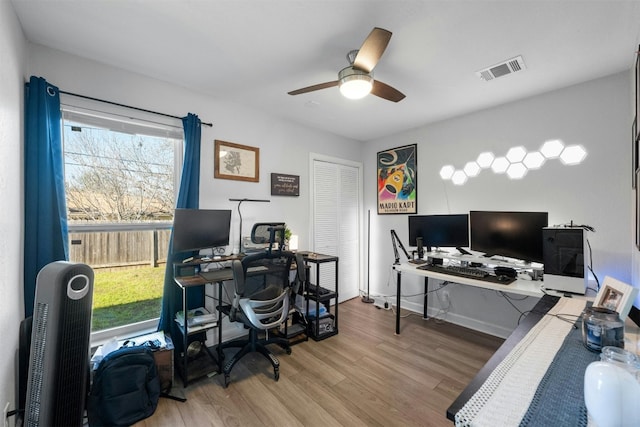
(398, 180)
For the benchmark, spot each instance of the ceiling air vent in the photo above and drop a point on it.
(509, 66)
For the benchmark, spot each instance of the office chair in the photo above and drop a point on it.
(268, 233)
(262, 297)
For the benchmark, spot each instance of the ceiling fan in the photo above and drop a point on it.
(356, 80)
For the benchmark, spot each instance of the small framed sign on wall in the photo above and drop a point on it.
(285, 185)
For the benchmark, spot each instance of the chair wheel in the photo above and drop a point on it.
(288, 350)
(276, 374)
(227, 380)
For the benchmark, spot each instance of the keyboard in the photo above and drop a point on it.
(222, 274)
(468, 272)
(217, 275)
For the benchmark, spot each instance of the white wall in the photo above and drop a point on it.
(12, 58)
(594, 114)
(284, 147)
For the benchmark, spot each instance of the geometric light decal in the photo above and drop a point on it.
(500, 165)
(447, 172)
(572, 155)
(552, 149)
(459, 177)
(485, 159)
(471, 169)
(516, 154)
(516, 170)
(517, 162)
(534, 160)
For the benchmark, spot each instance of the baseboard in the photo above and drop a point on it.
(458, 319)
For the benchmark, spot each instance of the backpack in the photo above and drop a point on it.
(125, 388)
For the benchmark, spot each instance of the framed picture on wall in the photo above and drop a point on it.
(235, 161)
(397, 171)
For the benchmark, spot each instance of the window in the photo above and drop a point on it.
(120, 182)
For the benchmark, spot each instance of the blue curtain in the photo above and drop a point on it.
(45, 209)
(188, 198)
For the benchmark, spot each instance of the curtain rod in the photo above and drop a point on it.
(128, 106)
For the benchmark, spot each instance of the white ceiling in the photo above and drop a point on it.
(253, 52)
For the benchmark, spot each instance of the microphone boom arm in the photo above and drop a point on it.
(396, 242)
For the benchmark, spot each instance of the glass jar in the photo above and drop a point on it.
(602, 327)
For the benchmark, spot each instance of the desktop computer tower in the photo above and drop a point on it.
(563, 252)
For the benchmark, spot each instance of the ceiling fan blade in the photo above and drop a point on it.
(314, 87)
(372, 49)
(386, 92)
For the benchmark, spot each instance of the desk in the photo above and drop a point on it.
(520, 287)
(219, 276)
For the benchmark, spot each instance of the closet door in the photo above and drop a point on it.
(336, 213)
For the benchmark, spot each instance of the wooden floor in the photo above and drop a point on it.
(365, 375)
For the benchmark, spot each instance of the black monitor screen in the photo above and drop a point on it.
(508, 234)
(195, 229)
(439, 230)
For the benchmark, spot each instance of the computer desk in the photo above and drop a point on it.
(520, 287)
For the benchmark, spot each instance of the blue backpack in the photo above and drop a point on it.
(125, 388)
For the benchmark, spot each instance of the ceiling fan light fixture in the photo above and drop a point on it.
(355, 84)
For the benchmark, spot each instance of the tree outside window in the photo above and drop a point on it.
(120, 200)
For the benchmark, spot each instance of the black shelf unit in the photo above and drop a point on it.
(326, 325)
(209, 359)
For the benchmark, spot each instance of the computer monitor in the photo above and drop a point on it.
(195, 229)
(439, 230)
(509, 234)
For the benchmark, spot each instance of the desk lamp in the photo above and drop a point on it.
(240, 248)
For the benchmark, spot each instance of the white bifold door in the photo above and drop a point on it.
(336, 188)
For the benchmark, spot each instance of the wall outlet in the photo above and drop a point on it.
(445, 296)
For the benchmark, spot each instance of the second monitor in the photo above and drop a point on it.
(439, 230)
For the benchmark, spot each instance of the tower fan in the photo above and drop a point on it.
(59, 355)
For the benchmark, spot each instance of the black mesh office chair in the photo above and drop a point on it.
(268, 233)
(262, 297)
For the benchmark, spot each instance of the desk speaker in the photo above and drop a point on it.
(564, 264)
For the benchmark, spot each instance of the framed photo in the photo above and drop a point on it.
(616, 295)
(398, 180)
(235, 161)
